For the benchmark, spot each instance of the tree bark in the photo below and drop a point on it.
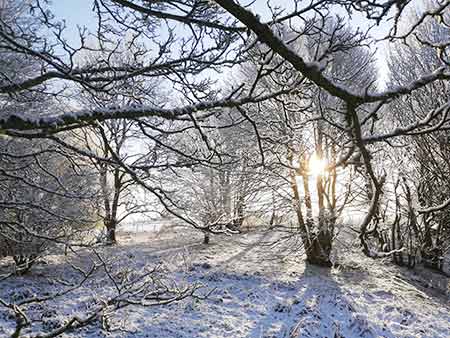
(206, 238)
(111, 226)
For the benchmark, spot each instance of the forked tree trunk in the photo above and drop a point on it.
(317, 245)
(321, 239)
(319, 250)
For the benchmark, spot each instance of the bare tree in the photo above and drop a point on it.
(321, 106)
(46, 198)
(425, 156)
(220, 34)
(46, 195)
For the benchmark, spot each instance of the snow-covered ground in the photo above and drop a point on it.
(254, 290)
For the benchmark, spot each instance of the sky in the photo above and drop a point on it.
(80, 13)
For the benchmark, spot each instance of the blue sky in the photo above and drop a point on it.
(74, 12)
(79, 12)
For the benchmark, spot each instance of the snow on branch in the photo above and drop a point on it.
(439, 207)
(416, 127)
(79, 117)
(312, 71)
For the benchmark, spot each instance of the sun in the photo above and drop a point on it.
(317, 165)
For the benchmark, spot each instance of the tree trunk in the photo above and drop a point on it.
(321, 241)
(308, 204)
(206, 238)
(298, 208)
(239, 212)
(110, 226)
(320, 249)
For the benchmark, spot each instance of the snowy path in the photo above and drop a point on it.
(259, 293)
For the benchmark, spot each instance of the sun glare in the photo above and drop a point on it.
(317, 165)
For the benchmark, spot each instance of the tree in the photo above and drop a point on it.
(46, 196)
(185, 47)
(45, 199)
(424, 179)
(221, 196)
(221, 35)
(302, 135)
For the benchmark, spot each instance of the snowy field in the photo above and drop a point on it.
(253, 290)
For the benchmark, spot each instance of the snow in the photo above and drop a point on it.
(254, 291)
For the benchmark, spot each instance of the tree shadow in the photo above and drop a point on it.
(426, 282)
(317, 307)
